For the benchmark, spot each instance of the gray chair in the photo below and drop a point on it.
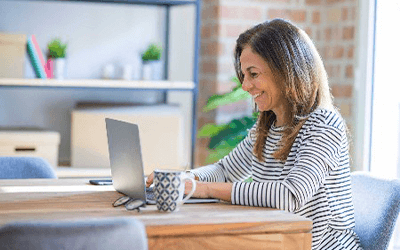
(25, 168)
(376, 208)
(90, 234)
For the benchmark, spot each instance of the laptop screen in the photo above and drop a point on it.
(126, 158)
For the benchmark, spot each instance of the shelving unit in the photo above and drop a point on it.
(98, 84)
(164, 85)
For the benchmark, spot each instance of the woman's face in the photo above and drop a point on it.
(260, 83)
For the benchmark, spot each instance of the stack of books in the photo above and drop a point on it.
(43, 68)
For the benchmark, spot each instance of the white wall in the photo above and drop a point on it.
(97, 34)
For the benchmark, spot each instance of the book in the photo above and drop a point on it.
(35, 60)
(49, 68)
(40, 55)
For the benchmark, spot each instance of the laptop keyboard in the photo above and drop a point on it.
(150, 194)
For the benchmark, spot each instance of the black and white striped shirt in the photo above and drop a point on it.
(313, 182)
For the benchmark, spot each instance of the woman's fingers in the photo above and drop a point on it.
(149, 180)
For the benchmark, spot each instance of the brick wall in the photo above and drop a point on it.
(331, 24)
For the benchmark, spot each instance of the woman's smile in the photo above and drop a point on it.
(255, 96)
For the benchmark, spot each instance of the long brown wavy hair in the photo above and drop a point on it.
(297, 67)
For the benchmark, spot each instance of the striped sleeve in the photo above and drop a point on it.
(263, 194)
(210, 173)
(315, 156)
(236, 166)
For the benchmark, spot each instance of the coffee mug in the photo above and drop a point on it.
(169, 187)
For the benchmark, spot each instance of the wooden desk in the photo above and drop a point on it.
(195, 226)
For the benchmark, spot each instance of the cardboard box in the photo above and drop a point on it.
(160, 129)
(12, 55)
(30, 142)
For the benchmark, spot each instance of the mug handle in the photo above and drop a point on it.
(193, 188)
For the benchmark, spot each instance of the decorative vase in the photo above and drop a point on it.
(152, 70)
(108, 71)
(59, 68)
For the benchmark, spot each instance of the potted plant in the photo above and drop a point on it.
(152, 68)
(225, 137)
(57, 53)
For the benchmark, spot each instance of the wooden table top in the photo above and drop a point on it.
(69, 199)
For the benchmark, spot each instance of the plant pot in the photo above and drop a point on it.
(152, 70)
(59, 68)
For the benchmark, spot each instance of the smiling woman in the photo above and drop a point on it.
(297, 152)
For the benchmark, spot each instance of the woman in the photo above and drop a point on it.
(297, 152)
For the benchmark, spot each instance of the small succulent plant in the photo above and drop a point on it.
(152, 53)
(56, 48)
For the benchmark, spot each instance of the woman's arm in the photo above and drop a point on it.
(216, 190)
(236, 166)
(320, 153)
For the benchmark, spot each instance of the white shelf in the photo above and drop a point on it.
(95, 83)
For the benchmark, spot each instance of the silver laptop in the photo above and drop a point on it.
(126, 162)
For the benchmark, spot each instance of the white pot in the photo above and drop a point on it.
(59, 68)
(152, 70)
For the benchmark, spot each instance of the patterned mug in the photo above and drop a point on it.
(169, 187)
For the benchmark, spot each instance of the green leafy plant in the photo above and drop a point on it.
(152, 53)
(57, 49)
(225, 137)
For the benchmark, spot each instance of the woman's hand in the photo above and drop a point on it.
(217, 190)
(150, 179)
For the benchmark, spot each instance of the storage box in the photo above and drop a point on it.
(30, 142)
(160, 129)
(12, 55)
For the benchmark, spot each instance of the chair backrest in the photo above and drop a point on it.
(90, 234)
(376, 208)
(25, 168)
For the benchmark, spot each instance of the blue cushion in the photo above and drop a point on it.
(25, 168)
(97, 234)
(376, 208)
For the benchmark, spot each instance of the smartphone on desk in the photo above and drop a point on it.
(105, 181)
(101, 182)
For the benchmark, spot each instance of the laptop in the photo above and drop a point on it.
(126, 163)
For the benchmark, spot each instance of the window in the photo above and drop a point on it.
(378, 92)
